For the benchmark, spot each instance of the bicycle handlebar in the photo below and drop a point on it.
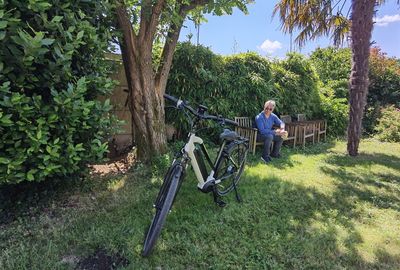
(183, 104)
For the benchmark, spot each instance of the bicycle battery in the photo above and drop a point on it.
(200, 161)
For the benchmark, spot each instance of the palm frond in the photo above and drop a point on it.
(313, 18)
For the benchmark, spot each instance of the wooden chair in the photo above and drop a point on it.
(306, 130)
(291, 129)
(321, 129)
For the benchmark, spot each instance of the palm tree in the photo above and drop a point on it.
(331, 17)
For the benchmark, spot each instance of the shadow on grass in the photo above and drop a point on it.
(31, 198)
(363, 159)
(355, 182)
(285, 161)
(34, 198)
(384, 194)
(302, 227)
(315, 149)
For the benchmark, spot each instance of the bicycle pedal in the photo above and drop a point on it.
(221, 203)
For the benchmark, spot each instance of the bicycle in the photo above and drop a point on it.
(228, 165)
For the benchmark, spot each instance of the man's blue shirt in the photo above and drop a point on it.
(264, 124)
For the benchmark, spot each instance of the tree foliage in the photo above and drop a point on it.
(52, 67)
(333, 66)
(384, 77)
(315, 18)
(388, 128)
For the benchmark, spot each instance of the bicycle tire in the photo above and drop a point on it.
(235, 157)
(164, 202)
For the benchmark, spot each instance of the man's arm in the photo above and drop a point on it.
(279, 122)
(259, 124)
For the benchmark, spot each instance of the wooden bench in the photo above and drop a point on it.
(246, 130)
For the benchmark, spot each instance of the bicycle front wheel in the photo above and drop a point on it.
(231, 167)
(163, 205)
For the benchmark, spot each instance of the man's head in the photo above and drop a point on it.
(269, 106)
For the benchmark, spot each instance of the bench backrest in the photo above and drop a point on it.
(301, 117)
(286, 119)
(244, 121)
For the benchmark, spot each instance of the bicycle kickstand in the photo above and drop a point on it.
(238, 198)
(217, 199)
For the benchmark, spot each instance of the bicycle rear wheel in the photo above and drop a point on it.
(231, 167)
(163, 204)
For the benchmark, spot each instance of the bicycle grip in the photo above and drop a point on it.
(171, 98)
(231, 122)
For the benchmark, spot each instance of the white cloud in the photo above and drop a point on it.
(385, 20)
(269, 46)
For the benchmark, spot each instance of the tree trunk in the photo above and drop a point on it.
(146, 107)
(146, 103)
(146, 86)
(361, 29)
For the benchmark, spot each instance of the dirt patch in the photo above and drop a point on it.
(100, 260)
(116, 165)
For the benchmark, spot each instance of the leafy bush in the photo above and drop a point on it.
(333, 66)
(335, 111)
(51, 70)
(384, 87)
(388, 128)
(297, 86)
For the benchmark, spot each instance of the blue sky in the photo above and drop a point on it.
(258, 32)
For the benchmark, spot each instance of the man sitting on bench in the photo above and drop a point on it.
(265, 121)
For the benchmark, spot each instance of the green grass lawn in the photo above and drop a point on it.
(315, 209)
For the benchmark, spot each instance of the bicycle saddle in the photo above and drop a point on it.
(229, 135)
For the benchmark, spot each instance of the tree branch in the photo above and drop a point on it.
(145, 14)
(195, 3)
(155, 18)
(124, 24)
(170, 45)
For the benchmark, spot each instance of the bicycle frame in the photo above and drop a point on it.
(205, 179)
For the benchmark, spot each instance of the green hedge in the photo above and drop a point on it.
(297, 86)
(51, 70)
(249, 83)
(238, 85)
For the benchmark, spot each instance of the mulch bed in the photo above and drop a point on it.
(117, 165)
(100, 260)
